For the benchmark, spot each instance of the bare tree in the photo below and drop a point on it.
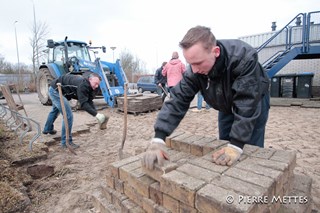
(131, 64)
(38, 43)
(6, 67)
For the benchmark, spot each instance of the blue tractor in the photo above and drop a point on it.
(73, 57)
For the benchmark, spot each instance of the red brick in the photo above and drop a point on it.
(158, 171)
(148, 205)
(155, 193)
(211, 198)
(263, 153)
(142, 185)
(196, 147)
(107, 193)
(185, 145)
(114, 167)
(276, 175)
(125, 170)
(180, 186)
(170, 203)
(214, 145)
(173, 135)
(117, 198)
(206, 164)
(184, 208)
(177, 141)
(249, 149)
(118, 185)
(127, 205)
(198, 172)
(261, 180)
(132, 194)
(239, 186)
(180, 157)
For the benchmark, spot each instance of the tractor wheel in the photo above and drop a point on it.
(44, 78)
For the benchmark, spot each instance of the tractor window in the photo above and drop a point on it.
(80, 52)
(59, 54)
(50, 55)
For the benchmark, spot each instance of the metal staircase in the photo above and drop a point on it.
(299, 43)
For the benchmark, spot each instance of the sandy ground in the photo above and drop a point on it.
(77, 176)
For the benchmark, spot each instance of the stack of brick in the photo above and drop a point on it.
(190, 182)
(140, 103)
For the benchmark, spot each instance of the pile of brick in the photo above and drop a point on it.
(262, 181)
(140, 103)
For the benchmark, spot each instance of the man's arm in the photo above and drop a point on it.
(84, 92)
(169, 118)
(175, 109)
(246, 99)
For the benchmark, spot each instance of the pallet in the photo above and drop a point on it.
(138, 112)
(140, 103)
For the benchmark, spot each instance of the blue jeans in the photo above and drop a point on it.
(257, 138)
(199, 102)
(56, 109)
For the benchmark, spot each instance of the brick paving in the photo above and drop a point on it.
(195, 184)
(288, 164)
(263, 181)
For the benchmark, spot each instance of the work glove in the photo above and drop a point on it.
(227, 155)
(156, 153)
(102, 120)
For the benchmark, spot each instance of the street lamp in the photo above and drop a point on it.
(35, 59)
(15, 32)
(113, 48)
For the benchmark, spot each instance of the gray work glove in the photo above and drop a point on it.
(102, 120)
(227, 155)
(156, 153)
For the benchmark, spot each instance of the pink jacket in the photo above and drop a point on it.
(173, 70)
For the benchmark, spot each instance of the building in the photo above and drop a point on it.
(292, 50)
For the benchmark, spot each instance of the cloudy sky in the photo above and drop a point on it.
(149, 29)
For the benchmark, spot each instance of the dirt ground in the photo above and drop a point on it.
(76, 177)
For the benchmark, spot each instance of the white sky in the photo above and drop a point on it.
(149, 29)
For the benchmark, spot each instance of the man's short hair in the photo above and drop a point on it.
(94, 75)
(198, 34)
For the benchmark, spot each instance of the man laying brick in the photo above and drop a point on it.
(231, 80)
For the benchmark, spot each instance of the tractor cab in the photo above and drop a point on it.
(69, 56)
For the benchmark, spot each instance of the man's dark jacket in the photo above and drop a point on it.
(235, 84)
(159, 78)
(79, 88)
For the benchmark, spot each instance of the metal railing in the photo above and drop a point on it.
(20, 124)
(287, 30)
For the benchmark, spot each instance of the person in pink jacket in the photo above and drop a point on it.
(173, 70)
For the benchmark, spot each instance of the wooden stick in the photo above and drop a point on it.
(65, 119)
(125, 112)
